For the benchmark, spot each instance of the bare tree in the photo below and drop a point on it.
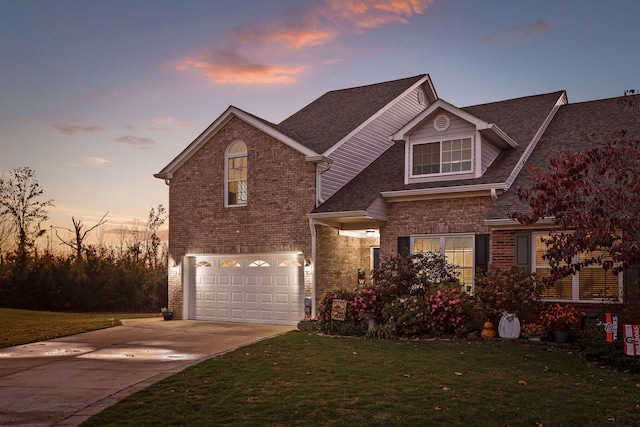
(77, 243)
(19, 199)
(156, 219)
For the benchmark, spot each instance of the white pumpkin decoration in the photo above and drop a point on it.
(509, 326)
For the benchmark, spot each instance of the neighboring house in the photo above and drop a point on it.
(262, 215)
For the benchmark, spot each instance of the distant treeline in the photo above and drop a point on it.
(102, 280)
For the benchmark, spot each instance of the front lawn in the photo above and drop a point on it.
(26, 326)
(305, 379)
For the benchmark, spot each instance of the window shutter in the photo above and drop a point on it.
(482, 252)
(404, 246)
(523, 251)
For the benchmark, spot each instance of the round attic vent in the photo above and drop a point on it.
(441, 123)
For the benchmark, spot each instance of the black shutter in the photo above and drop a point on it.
(523, 251)
(404, 246)
(482, 252)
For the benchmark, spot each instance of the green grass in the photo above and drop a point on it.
(26, 326)
(305, 379)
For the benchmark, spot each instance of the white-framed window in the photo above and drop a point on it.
(441, 157)
(458, 249)
(591, 283)
(236, 174)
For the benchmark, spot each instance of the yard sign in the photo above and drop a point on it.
(632, 340)
(611, 327)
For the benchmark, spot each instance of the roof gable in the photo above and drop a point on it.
(224, 118)
(491, 129)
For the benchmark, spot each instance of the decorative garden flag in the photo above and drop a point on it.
(338, 309)
(632, 340)
(611, 327)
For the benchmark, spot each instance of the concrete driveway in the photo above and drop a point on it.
(62, 382)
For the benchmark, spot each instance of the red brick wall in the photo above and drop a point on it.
(502, 250)
(281, 191)
(437, 216)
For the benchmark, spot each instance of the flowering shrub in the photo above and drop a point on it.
(510, 290)
(559, 317)
(415, 274)
(367, 301)
(447, 312)
(326, 301)
(405, 315)
(529, 330)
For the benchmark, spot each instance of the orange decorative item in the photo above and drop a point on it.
(488, 330)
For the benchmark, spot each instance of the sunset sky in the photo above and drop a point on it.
(96, 96)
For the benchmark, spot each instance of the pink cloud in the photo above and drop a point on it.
(72, 130)
(368, 14)
(520, 32)
(139, 143)
(266, 48)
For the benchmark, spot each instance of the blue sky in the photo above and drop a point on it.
(96, 96)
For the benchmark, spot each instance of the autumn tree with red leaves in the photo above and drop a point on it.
(593, 197)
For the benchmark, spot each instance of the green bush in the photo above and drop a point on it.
(405, 315)
(512, 290)
(596, 349)
(416, 274)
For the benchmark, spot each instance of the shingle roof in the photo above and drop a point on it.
(520, 118)
(328, 119)
(575, 127)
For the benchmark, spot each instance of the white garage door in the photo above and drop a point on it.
(258, 288)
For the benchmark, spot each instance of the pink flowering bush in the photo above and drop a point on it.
(405, 315)
(559, 317)
(326, 301)
(367, 301)
(447, 312)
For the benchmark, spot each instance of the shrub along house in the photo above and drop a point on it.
(262, 215)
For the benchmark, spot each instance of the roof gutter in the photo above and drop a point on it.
(491, 188)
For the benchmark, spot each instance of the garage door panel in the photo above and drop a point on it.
(282, 298)
(247, 288)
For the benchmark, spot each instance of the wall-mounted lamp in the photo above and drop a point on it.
(371, 233)
(175, 268)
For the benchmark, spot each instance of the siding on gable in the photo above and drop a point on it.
(458, 128)
(378, 209)
(367, 144)
(489, 154)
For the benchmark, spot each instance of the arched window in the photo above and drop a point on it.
(236, 174)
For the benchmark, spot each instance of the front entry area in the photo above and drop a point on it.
(256, 288)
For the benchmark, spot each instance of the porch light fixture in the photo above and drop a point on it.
(371, 234)
(175, 268)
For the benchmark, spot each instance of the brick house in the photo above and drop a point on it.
(262, 215)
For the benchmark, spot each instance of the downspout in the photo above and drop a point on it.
(326, 162)
(312, 226)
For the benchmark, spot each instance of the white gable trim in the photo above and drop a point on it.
(167, 172)
(425, 79)
(480, 125)
(534, 142)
